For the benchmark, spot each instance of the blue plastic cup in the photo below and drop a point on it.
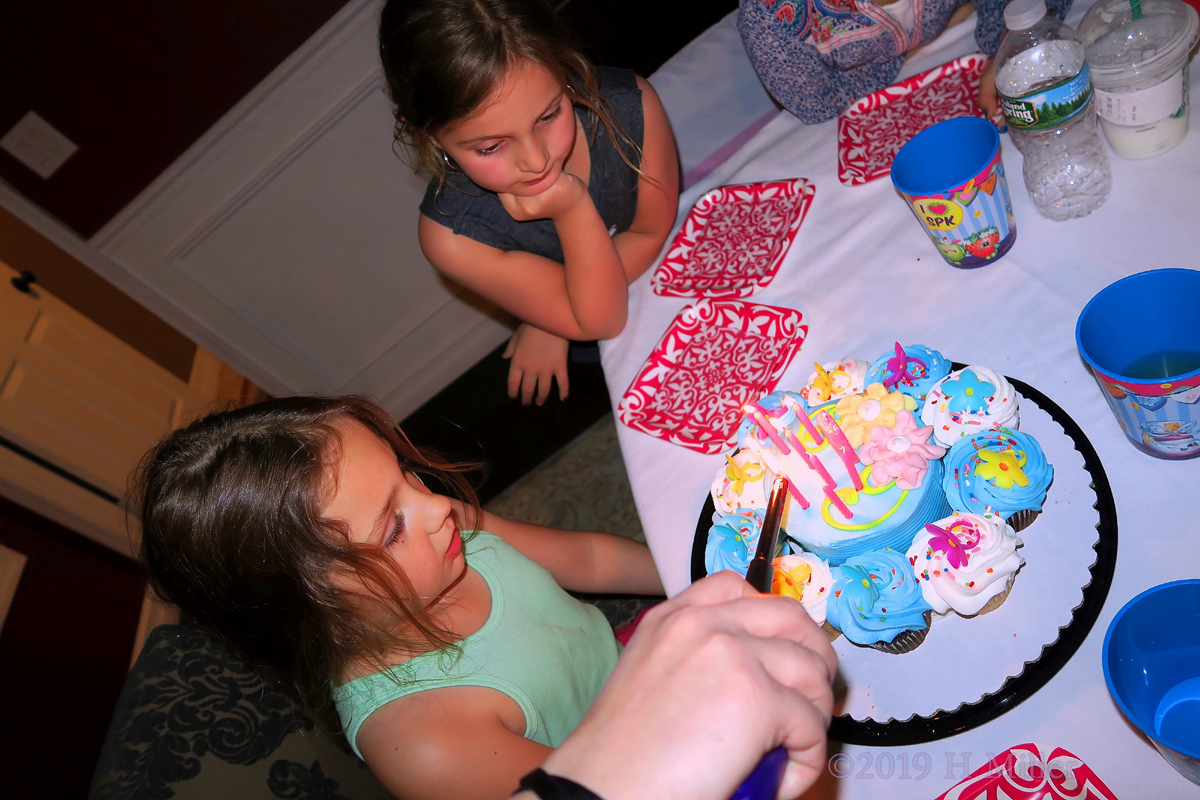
(1141, 339)
(1152, 668)
(952, 177)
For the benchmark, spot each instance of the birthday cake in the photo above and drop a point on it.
(907, 481)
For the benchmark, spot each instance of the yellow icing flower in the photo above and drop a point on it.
(1002, 468)
(822, 385)
(859, 413)
(790, 583)
(740, 474)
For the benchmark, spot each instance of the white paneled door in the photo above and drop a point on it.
(287, 238)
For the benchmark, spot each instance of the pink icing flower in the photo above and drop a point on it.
(901, 453)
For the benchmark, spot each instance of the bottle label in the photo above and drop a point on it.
(1049, 108)
(1144, 106)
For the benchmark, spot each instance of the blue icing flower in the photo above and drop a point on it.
(968, 394)
(971, 493)
(733, 539)
(876, 597)
(859, 590)
(773, 405)
(923, 367)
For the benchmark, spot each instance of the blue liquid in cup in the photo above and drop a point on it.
(1162, 364)
(1151, 664)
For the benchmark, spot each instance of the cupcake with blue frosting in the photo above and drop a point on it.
(733, 539)
(912, 370)
(1001, 473)
(878, 603)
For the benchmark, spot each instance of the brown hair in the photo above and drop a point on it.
(233, 533)
(443, 59)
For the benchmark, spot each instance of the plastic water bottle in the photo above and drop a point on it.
(1045, 91)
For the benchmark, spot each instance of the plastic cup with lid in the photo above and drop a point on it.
(1140, 72)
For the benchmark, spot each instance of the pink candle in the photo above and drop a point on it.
(830, 487)
(838, 503)
(802, 415)
(795, 493)
(815, 464)
(775, 467)
(837, 438)
(756, 413)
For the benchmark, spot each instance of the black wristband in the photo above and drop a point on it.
(552, 787)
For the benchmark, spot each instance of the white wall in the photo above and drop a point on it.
(284, 240)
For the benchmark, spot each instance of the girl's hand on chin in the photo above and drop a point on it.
(555, 201)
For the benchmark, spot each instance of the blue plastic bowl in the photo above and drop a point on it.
(1152, 667)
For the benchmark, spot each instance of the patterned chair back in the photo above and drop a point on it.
(193, 721)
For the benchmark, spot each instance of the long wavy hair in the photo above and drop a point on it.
(233, 533)
(443, 59)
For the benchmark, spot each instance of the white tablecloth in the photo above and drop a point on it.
(865, 275)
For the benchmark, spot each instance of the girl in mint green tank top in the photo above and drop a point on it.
(301, 531)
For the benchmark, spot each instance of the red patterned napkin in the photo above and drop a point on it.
(872, 130)
(716, 356)
(1032, 772)
(734, 239)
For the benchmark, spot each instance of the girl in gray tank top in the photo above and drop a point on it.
(555, 184)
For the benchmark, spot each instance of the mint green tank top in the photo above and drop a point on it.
(543, 648)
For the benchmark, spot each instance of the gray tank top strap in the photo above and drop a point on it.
(476, 213)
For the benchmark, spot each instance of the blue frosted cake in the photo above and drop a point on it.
(868, 476)
(840, 505)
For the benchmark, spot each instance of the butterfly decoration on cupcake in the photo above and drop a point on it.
(806, 578)
(911, 370)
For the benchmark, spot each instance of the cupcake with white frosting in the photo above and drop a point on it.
(742, 483)
(966, 563)
(834, 380)
(969, 401)
(805, 577)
